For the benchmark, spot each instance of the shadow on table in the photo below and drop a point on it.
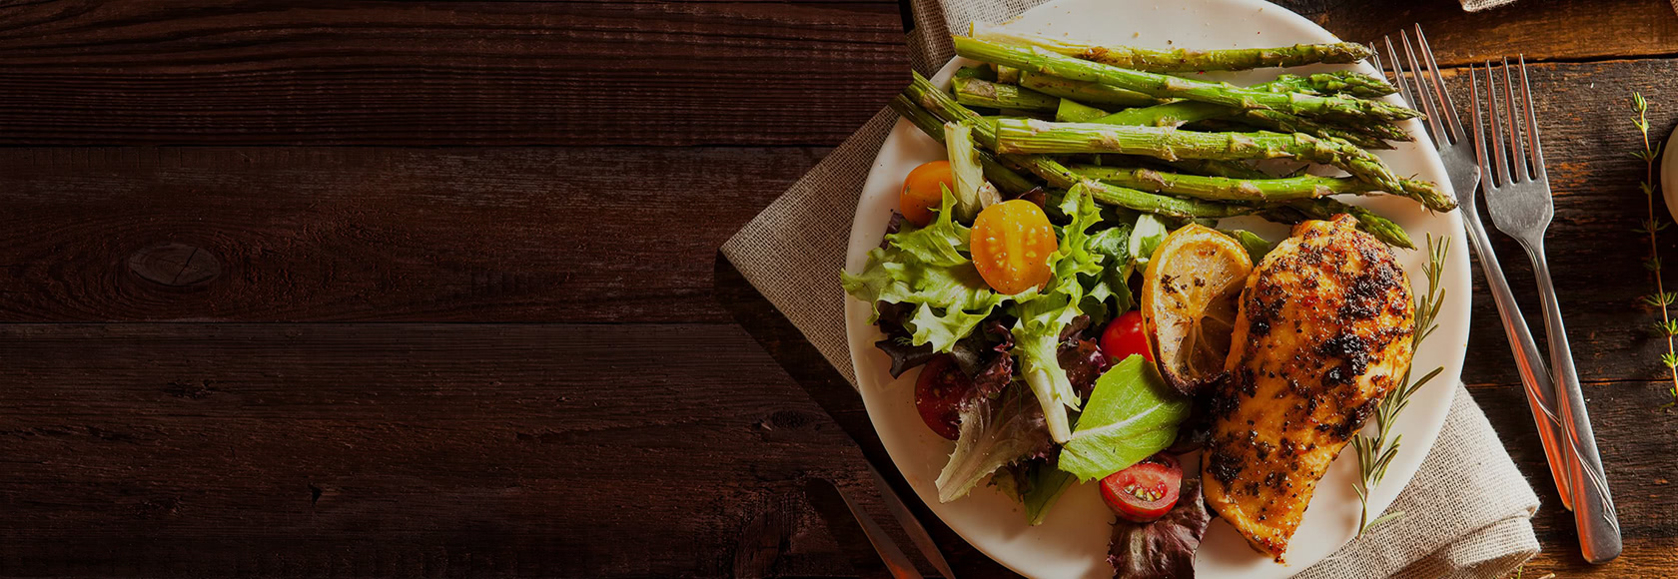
(829, 389)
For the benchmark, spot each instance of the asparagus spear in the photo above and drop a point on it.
(1165, 86)
(1167, 115)
(1245, 189)
(1085, 92)
(941, 105)
(922, 100)
(1014, 136)
(1184, 112)
(1007, 75)
(1326, 208)
(978, 72)
(1222, 188)
(976, 92)
(1072, 111)
(1341, 82)
(1181, 60)
(1232, 169)
(1006, 179)
(1286, 123)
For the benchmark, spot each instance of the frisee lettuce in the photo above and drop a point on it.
(1132, 414)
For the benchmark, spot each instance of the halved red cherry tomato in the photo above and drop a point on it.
(923, 191)
(1011, 243)
(1146, 490)
(1124, 337)
(939, 392)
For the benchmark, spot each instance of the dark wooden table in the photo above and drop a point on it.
(431, 288)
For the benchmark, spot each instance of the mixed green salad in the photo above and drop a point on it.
(1009, 271)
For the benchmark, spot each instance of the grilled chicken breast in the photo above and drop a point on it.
(1323, 333)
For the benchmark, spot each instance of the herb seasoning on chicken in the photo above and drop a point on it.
(1323, 333)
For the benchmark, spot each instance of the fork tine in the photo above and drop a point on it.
(1452, 119)
(1512, 122)
(1375, 59)
(1478, 130)
(1398, 76)
(1398, 73)
(1500, 160)
(1532, 122)
(1420, 81)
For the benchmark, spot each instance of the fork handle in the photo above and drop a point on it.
(1540, 390)
(1593, 512)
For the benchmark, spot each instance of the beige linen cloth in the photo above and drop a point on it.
(1467, 512)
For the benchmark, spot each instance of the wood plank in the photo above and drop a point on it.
(1643, 557)
(1632, 432)
(471, 235)
(456, 73)
(407, 449)
(1556, 30)
(505, 234)
(1595, 256)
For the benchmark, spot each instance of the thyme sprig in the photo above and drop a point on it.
(1376, 453)
(1661, 299)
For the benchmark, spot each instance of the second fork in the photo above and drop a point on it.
(1518, 196)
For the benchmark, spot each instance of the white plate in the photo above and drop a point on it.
(1072, 542)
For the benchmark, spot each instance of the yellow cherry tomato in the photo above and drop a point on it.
(1011, 244)
(923, 191)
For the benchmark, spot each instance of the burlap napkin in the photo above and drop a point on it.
(1467, 511)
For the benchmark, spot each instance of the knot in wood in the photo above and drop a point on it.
(175, 265)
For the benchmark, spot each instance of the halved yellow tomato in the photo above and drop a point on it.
(1011, 243)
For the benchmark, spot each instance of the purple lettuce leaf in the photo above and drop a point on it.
(1164, 548)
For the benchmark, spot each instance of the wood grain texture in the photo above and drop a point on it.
(456, 73)
(505, 234)
(1595, 254)
(579, 440)
(1569, 30)
(408, 449)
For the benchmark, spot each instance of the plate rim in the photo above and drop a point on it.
(1458, 294)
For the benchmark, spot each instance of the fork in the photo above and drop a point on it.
(1518, 196)
(1426, 90)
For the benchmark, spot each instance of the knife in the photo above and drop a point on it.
(844, 518)
(911, 525)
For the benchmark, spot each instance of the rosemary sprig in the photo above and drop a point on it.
(1666, 327)
(1376, 453)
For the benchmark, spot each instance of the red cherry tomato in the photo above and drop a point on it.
(939, 392)
(1124, 337)
(1146, 490)
(923, 191)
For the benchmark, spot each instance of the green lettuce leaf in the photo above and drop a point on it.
(1149, 232)
(1110, 295)
(1047, 484)
(1037, 333)
(928, 267)
(995, 432)
(972, 192)
(941, 243)
(1132, 414)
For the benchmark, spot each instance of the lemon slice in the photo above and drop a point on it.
(1190, 294)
